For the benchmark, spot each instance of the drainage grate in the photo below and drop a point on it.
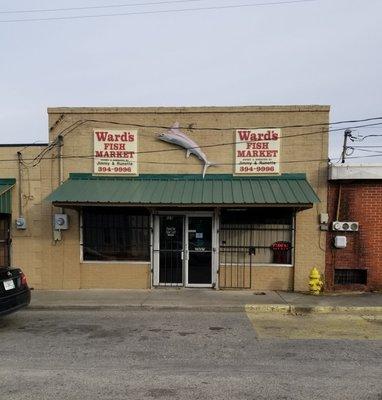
(350, 276)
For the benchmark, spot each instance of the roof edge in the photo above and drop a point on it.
(208, 177)
(355, 172)
(7, 181)
(191, 109)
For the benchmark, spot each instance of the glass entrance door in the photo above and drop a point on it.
(199, 251)
(182, 250)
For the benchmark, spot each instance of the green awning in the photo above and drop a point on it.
(6, 196)
(185, 190)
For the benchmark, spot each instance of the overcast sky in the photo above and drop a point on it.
(311, 52)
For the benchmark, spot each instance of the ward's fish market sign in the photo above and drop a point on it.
(115, 152)
(257, 151)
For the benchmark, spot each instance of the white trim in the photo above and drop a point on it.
(359, 172)
(155, 266)
(186, 253)
(151, 249)
(168, 285)
(200, 285)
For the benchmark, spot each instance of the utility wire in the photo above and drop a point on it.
(363, 147)
(360, 139)
(179, 10)
(182, 163)
(76, 124)
(43, 10)
(38, 159)
(214, 128)
(154, 3)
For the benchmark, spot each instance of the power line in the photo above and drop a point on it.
(91, 156)
(363, 147)
(229, 129)
(179, 10)
(76, 124)
(367, 150)
(214, 128)
(43, 10)
(360, 139)
(197, 164)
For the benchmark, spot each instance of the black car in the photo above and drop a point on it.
(14, 290)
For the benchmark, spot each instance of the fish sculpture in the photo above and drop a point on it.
(175, 136)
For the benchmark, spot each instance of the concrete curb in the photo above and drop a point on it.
(250, 308)
(136, 307)
(265, 308)
(291, 309)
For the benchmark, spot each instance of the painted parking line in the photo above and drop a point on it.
(316, 326)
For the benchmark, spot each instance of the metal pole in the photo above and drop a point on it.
(19, 187)
(60, 160)
(347, 134)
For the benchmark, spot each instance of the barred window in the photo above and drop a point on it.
(4, 240)
(256, 236)
(116, 234)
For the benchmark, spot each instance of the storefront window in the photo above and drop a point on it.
(115, 234)
(256, 236)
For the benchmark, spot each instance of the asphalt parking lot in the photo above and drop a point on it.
(159, 354)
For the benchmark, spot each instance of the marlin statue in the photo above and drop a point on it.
(175, 136)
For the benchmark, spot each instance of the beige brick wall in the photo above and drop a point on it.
(115, 275)
(261, 277)
(57, 265)
(27, 248)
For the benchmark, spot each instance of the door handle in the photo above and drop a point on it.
(182, 255)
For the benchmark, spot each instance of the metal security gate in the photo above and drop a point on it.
(243, 245)
(183, 250)
(235, 260)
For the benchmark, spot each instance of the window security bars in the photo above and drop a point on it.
(259, 237)
(350, 276)
(116, 234)
(4, 240)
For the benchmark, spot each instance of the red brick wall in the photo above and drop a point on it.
(361, 201)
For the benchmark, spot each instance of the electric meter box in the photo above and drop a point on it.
(60, 222)
(324, 218)
(340, 242)
(21, 223)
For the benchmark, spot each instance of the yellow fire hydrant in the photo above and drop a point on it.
(315, 282)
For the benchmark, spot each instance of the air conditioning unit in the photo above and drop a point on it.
(343, 226)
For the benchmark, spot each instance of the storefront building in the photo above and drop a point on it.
(217, 197)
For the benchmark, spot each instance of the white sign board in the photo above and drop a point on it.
(257, 151)
(115, 152)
